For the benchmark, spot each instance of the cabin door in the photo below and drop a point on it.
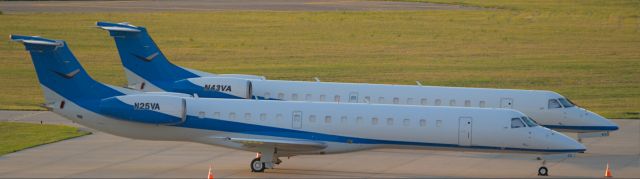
(464, 131)
(506, 103)
(296, 120)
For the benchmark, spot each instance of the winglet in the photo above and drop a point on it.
(36, 40)
(119, 27)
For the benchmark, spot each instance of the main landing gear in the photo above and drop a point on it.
(257, 165)
(266, 159)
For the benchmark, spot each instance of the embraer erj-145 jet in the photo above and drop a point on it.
(148, 69)
(279, 128)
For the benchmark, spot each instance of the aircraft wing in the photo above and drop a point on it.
(289, 145)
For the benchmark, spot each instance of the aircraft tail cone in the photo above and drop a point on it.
(607, 171)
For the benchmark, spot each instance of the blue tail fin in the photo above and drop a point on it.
(61, 75)
(142, 57)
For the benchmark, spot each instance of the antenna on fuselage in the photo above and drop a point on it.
(317, 79)
(366, 101)
(418, 82)
(195, 95)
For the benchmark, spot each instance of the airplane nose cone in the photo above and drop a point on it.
(605, 123)
(565, 143)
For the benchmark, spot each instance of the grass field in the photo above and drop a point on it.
(17, 136)
(588, 51)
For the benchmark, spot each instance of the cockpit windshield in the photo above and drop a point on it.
(530, 122)
(516, 123)
(566, 103)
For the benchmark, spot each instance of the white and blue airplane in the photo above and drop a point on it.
(276, 128)
(148, 69)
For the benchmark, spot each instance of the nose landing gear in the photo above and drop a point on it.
(543, 171)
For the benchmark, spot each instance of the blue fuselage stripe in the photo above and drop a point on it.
(583, 128)
(253, 129)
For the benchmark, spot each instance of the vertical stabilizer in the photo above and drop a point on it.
(61, 75)
(146, 66)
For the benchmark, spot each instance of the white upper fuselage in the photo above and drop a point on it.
(341, 127)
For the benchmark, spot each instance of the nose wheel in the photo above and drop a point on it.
(543, 171)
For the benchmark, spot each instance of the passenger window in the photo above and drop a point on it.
(280, 95)
(406, 122)
(423, 101)
(216, 115)
(439, 123)
(353, 99)
(267, 95)
(294, 97)
(409, 100)
(423, 122)
(467, 103)
(247, 116)
(322, 97)
(553, 103)
(516, 123)
(381, 100)
(374, 121)
(452, 102)
(263, 116)
(201, 114)
(481, 104)
(312, 118)
(390, 121)
(336, 98)
(278, 117)
(327, 119)
(359, 120)
(396, 100)
(343, 119)
(307, 97)
(438, 102)
(232, 115)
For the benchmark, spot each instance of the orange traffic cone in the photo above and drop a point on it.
(210, 174)
(607, 172)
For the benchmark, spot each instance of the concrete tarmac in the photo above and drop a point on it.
(101, 155)
(218, 5)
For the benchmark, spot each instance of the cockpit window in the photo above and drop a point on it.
(516, 123)
(566, 103)
(530, 122)
(553, 103)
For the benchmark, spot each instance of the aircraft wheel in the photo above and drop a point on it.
(543, 171)
(257, 165)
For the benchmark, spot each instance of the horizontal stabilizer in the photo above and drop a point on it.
(119, 27)
(35, 40)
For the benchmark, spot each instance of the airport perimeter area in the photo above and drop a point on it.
(102, 155)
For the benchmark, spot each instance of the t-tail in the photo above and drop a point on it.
(146, 66)
(61, 76)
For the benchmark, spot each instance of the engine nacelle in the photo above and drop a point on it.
(215, 87)
(150, 109)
